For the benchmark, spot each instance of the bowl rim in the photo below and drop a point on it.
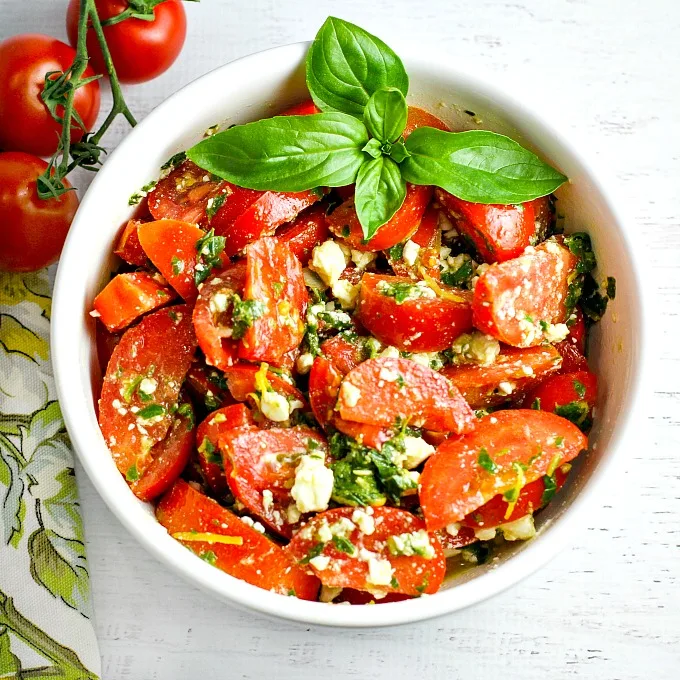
(521, 565)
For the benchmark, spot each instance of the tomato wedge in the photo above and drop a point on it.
(308, 230)
(570, 395)
(213, 316)
(416, 323)
(171, 246)
(169, 456)
(142, 384)
(380, 391)
(515, 371)
(263, 464)
(208, 436)
(242, 384)
(304, 108)
(190, 516)
(507, 451)
(345, 354)
(207, 386)
(428, 232)
(573, 347)
(344, 223)
(128, 296)
(248, 215)
(498, 232)
(516, 300)
(184, 194)
(418, 118)
(274, 281)
(363, 560)
(129, 248)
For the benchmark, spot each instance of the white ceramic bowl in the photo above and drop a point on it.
(260, 85)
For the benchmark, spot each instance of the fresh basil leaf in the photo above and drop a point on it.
(380, 192)
(385, 114)
(346, 65)
(478, 166)
(398, 152)
(286, 153)
(373, 148)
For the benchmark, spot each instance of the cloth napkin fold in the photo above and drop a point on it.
(46, 629)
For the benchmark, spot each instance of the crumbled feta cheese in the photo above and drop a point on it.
(555, 332)
(361, 259)
(304, 363)
(313, 484)
(350, 394)
(409, 544)
(379, 572)
(312, 280)
(148, 385)
(416, 450)
(292, 514)
(324, 533)
(346, 293)
(521, 529)
(390, 353)
(485, 534)
(506, 387)
(320, 562)
(274, 406)
(364, 521)
(410, 254)
(431, 360)
(252, 523)
(343, 527)
(328, 261)
(453, 528)
(219, 303)
(475, 348)
(267, 500)
(388, 375)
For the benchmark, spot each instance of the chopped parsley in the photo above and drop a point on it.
(579, 388)
(209, 557)
(244, 313)
(132, 475)
(396, 252)
(577, 412)
(394, 583)
(485, 461)
(461, 276)
(424, 585)
(314, 551)
(174, 161)
(137, 197)
(187, 412)
(211, 454)
(208, 251)
(214, 204)
(177, 265)
(536, 404)
(400, 291)
(549, 488)
(344, 545)
(152, 411)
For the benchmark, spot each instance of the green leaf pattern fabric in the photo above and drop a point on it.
(45, 608)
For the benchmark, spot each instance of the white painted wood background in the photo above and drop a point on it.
(606, 608)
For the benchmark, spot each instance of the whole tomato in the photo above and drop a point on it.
(32, 230)
(25, 123)
(140, 50)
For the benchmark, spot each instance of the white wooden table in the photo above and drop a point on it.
(607, 608)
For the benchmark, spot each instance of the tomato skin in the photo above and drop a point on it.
(413, 575)
(241, 381)
(140, 50)
(499, 232)
(128, 247)
(418, 118)
(274, 278)
(163, 340)
(560, 390)
(572, 348)
(211, 429)
(308, 230)
(212, 328)
(419, 325)
(454, 483)
(170, 456)
(402, 225)
(479, 384)
(32, 231)
(422, 397)
(428, 232)
(258, 561)
(248, 453)
(127, 297)
(344, 354)
(25, 122)
(248, 215)
(304, 108)
(205, 386)
(538, 281)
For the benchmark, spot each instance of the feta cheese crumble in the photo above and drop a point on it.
(313, 484)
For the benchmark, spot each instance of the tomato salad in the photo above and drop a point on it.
(332, 415)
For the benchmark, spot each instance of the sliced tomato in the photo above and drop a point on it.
(171, 246)
(514, 300)
(498, 232)
(427, 235)
(106, 342)
(507, 451)
(577, 330)
(422, 324)
(274, 280)
(249, 215)
(185, 193)
(160, 348)
(572, 348)
(304, 108)
(169, 456)
(344, 223)
(418, 118)
(345, 354)
(198, 522)
(263, 464)
(208, 436)
(515, 371)
(571, 395)
(308, 230)
(213, 316)
(353, 560)
(380, 391)
(242, 384)
(128, 296)
(129, 248)
(531, 498)
(207, 386)
(373, 436)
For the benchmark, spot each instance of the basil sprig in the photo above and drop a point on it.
(360, 85)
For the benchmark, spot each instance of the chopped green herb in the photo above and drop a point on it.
(132, 475)
(130, 385)
(174, 161)
(424, 585)
(559, 442)
(611, 287)
(244, 313)
(152, 411)
(173, 316)
(477, 553)
(396, 252)
(544, 325)
(394, 583)
(549, 488)
(314, 551)
(400, 381)
(211, 454)
(292, 593)
(400, 291)
(177, 265)
(337, 320)
(579, 388)
(278, 288)
(461, 276)
(344, 545)
(187, 412)
(345, 231)
(485, 461)
(209, 557)
(317, 191)
(214, 204)
(577, 412)
(536, 404)
(208, 251)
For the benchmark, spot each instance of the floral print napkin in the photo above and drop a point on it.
(45, 610)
